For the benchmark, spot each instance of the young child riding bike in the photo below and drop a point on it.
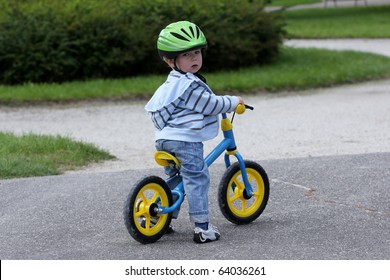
(184, 111)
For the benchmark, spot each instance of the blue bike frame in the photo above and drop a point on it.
(228, 144)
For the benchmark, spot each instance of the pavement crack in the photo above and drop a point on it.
(311, 193)
(307, 189)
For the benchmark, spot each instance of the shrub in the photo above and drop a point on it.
(34, 48)
(57, 41)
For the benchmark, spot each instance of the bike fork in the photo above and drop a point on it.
(248, 188)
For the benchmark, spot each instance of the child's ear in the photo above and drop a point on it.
(169, 61)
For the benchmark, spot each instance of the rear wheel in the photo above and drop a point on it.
(142, 219)
(233, 200)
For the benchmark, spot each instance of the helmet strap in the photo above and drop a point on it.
(175, 66)
(203, 79)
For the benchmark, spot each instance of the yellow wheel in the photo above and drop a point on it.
(233, 200)
(142, 219)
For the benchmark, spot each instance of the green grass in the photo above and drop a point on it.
(38, 155)
(292, 2)
(345, 22)
(305, 68)
(76, 91)
(294, 69)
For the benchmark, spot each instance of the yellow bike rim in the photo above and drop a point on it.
(240, 206)
(148, 196)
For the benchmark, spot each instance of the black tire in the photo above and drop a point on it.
(141, 221)
(231, 197)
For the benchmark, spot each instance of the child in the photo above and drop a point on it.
(185, 111)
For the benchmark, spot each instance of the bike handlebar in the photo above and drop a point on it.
(240, 109)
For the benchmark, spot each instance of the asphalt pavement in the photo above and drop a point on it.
(331, 207)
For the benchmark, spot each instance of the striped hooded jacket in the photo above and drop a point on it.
(184, 108)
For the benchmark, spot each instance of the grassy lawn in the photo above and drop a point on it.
(37, 155)
(294, 69)
(292, 2)
(304, 68)
(345, 22)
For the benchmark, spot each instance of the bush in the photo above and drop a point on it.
(57, 41)
(34, 48)
(239, 34)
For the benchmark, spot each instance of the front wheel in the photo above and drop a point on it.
(142, 219)
(233, 200)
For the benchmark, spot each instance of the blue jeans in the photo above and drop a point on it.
(195, 174)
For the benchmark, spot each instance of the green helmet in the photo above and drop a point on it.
(179, 37)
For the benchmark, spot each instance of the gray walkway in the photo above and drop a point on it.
(349, 119)
(343, 3)
(326, 208)
(377, 46)
(334, 4)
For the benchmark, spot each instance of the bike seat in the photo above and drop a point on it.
(166, 159)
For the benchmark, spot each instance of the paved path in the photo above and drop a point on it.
(376, 46)
(342, 3)
(335, 207)
(334, 4)
(348, 119)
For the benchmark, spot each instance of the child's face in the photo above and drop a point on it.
(190, 61)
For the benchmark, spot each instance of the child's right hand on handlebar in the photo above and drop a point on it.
(240, 109)
(241, 100)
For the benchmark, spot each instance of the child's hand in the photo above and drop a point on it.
(241, 100)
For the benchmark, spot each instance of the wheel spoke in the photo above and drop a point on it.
(143, 197)
(234, 197)
(147, 222)
(140, 214)
(237, 182)
(154, 198)
(243, 203)
(236, 191)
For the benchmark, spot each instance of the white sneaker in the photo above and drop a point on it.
(203, 236)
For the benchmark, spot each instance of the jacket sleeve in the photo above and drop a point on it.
(201, 99)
